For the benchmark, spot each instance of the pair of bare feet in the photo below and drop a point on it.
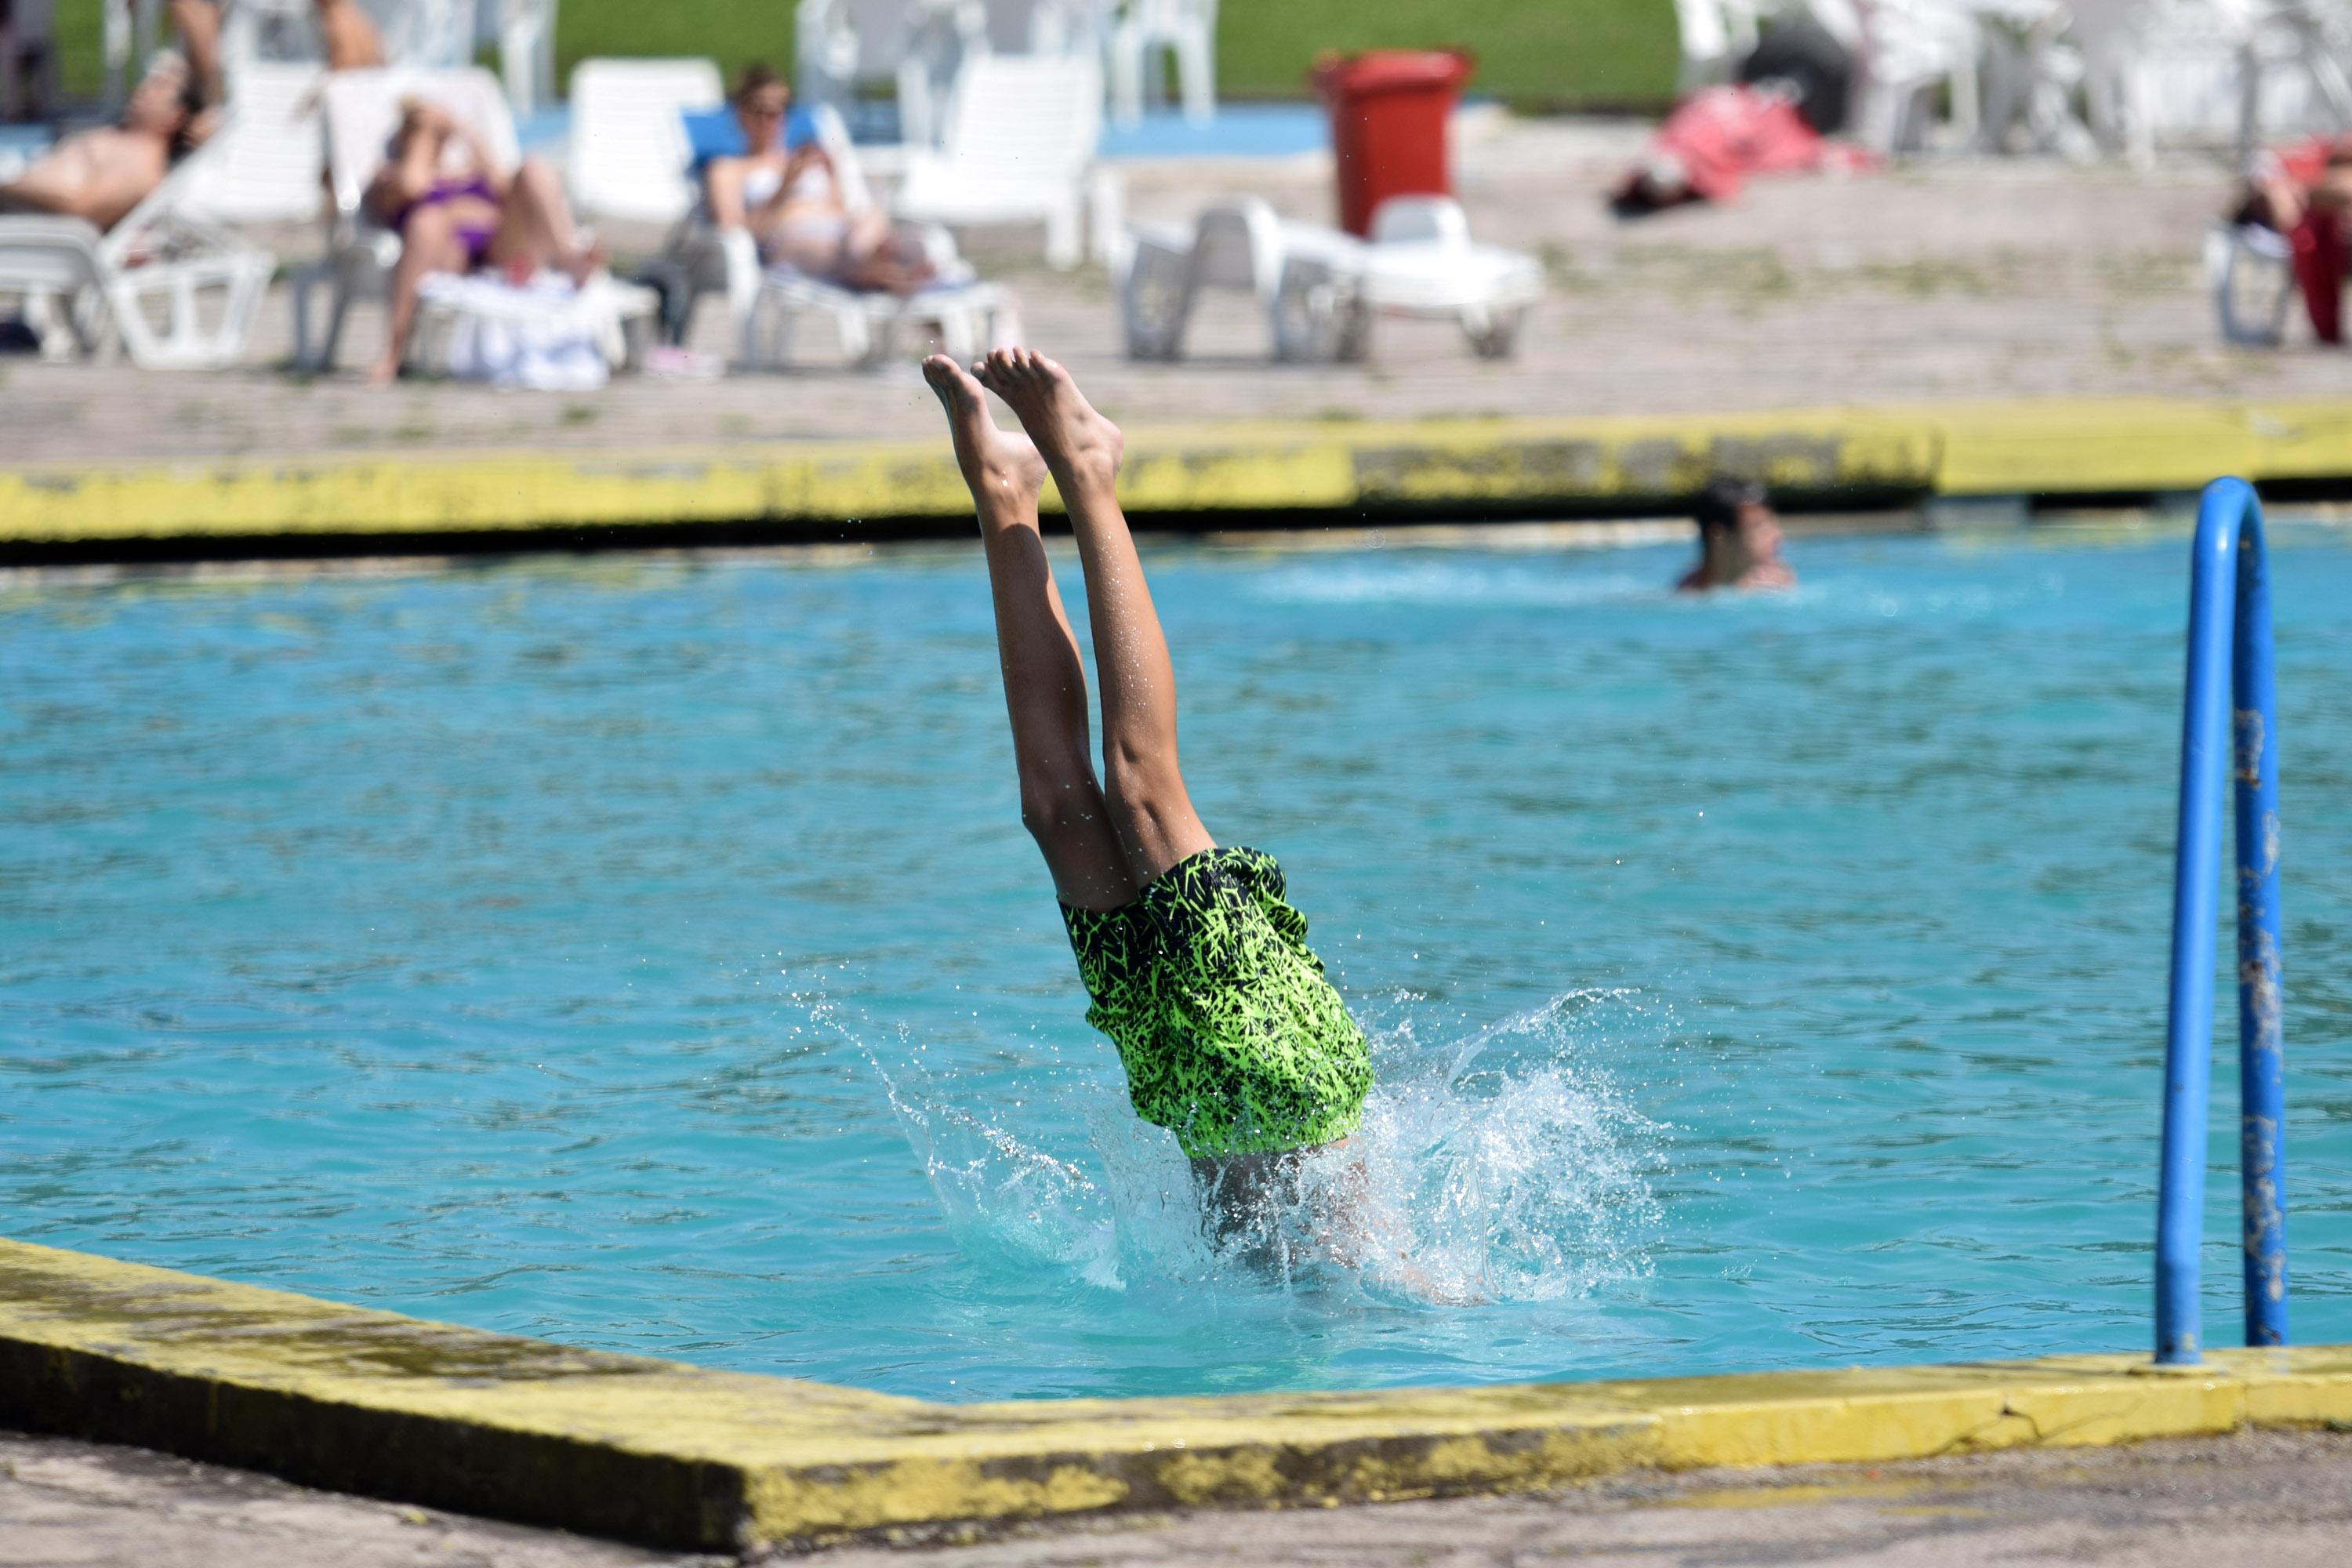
(1065, 439)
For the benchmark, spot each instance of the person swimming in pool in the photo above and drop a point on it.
(1738, 540)
(1195, 965)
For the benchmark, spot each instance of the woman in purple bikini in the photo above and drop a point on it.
(457, 222)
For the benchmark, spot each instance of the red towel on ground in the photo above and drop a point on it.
(1719, 137)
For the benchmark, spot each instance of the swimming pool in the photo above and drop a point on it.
(642, 952)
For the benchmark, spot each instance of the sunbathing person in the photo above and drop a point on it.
(456, 222)
(1738, 540)
(2304, 195)
(780, 186)
(100, 175)
(348, 36)
(1196, 966)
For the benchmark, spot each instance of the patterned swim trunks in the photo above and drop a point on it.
(1230, 1036)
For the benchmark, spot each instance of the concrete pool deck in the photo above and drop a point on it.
(1198, 478)
(675, 1456)
(1955, 327)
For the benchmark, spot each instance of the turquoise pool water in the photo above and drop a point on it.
(642, 953)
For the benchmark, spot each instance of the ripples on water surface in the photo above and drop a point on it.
(644, 953)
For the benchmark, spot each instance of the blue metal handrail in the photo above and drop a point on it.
(2229, 623)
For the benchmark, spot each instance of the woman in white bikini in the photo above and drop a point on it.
(783, 189)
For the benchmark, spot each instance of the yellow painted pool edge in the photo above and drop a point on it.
(372, 1402)
(2044, 447)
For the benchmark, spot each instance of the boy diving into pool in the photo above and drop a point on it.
(1196, 967)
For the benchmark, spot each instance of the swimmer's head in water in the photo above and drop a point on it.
(1736, 517)
(1722, 501)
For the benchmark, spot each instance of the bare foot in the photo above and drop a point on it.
(587, 263)
(384, 372)
(1003, 470)
(1079, 445)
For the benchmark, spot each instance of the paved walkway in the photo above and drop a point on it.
(2264, 1500)
(1945, 280)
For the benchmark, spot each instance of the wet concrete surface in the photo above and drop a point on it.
(2271, 1499)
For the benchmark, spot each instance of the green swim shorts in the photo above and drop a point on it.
(1230, 1036)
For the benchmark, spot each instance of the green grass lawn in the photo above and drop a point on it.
(1549, 54)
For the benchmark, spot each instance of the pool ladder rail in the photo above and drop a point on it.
(2229, 627)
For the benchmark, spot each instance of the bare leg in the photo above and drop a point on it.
(535, 227)
(871, 259)
(428, 243)
(1149, 806)
(722, 191)
(1045, 683)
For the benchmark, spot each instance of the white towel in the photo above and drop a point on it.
(545, 335)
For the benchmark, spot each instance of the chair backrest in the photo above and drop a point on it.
(1024, 120)
(362, 110)
(849, 175)
(264, 164)
(629, 149)
(1402, 219)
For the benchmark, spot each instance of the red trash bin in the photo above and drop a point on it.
(1389, 109)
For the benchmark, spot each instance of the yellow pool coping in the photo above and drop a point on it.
(370, 1402)
(2053, 447)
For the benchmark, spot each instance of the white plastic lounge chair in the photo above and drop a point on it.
(1920, 52)
(2251, 271)
(1714, 37)
(1140, 32)
(1243, 245)
(526, 34)
(266, 165)
(362, 109)
(766, 305)
(629, 148)
(916, 46)
(175, 291)
(2296, 62)
(1020, 148)
(267, 32)
(427, 34)
(967, 316)
(1319, 286)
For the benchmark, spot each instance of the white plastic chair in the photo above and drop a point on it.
(362, 110)
(1320, 288)
(2251, 271)
(765, 306)
(427, 34)
(1020, 147)
(629, 153)
(175, 291)
(1714, 37)
(526, 33)
(917, 47)
(1915, 50)
(266, 164)
(1139, 33)
(2295, 71)
(276, 31)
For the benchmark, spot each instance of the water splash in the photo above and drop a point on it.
(1502, 1167)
